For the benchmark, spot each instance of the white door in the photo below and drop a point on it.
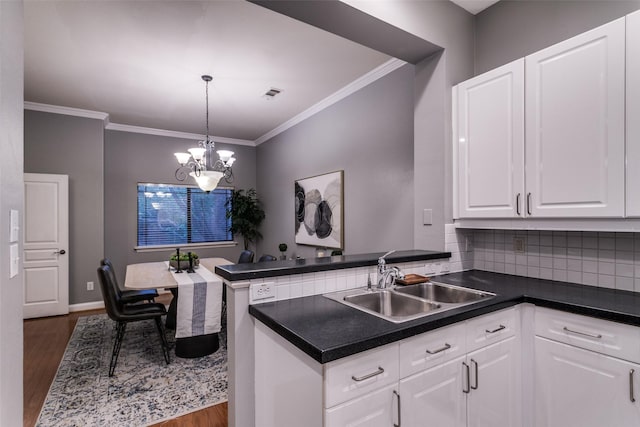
(435, 397)
(633, 114)
(375, 409)
(575, 126)
(46, 245)
(495, 397)
(576, 387)
(490, 143)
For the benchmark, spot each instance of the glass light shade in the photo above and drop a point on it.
(183, 158)
(208, 180)
(225, 154)
(231, 161)
(197, 153)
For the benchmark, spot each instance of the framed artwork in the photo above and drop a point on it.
(319, 210)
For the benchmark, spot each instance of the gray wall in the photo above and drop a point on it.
(60, 144)
(511, 29)
(369, 135)
(132, 158)
(11, 197)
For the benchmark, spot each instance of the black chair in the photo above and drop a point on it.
(267, 257)
(130, 296)
(246, 256)
(125, 313)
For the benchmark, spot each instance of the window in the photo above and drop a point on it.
(179, 215)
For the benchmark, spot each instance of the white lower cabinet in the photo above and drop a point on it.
(577, 387)
(374, 409)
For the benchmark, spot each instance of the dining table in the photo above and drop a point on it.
(155, 275)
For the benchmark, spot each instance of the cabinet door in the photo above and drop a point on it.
(435, 397)
(490, 143)
(375, 409)
(495, 398)
(633, 114)
(576, 387)
(575, 126)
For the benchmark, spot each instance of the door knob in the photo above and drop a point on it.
(60, 252)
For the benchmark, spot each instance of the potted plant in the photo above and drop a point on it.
(184, 260)
(246, 214)
(282, 247)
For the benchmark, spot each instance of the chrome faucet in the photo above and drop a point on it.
(386, 273)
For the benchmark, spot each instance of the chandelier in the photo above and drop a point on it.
(199, 162)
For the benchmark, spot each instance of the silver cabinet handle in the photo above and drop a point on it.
(498, 329)
(466, 389)
(518, 204)
(475, 364)
(632, 398)
(446, 346)
(366, 377)
(529, 203)
(584, 334)
(399, 413)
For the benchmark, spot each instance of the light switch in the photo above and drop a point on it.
(427, 216)
(14, 261)
(14, 232)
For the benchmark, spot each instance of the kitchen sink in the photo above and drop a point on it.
(403, 303)
(450, 294)
(391, 304)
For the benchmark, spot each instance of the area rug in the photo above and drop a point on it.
(143, 391)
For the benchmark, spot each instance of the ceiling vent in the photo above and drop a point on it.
(271, 93)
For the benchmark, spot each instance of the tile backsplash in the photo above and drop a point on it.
(610, 260)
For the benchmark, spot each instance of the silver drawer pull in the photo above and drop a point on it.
(498, 329)
(399, 411)
(585, 334)
(466, 388)
(366, 377)
(632, 398)
(440, 350)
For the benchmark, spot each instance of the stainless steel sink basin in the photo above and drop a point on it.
(410, 302)
(449, 294)
(391, 304)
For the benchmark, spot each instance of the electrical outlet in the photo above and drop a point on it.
(89, 286)
(518, 245)
(263, 291)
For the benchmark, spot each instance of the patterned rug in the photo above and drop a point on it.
(143, 390)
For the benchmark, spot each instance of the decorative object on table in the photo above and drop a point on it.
(143, 391)
(412, 279)
(199, 162)
(319, 210)
(180, 260)
(282, 247)
(246, 214)
(267, 258)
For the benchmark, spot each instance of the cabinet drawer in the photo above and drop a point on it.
(361, 373)
(376, 409)
(432, 348)
(490, 328)
(606, 337)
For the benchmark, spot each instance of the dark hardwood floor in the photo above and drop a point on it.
(45, 340)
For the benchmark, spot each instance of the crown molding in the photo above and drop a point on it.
(176, 134)
(354, 86)
(57, 109)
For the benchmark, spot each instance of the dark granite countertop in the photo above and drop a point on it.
(327, 330)
(258, 270)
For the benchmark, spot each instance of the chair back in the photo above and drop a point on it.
(246, 256)
(267, 257)
(112, 271)
(112, 302)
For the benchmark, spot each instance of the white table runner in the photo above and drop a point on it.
(199, 303)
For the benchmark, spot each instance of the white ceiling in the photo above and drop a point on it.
(474, 6)
(141, 62)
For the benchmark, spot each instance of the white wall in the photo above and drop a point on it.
(11, 197)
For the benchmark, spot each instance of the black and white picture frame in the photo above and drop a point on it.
(319, 210)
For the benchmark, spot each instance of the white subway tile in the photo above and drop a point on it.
(624, 257)
(341, 282)
(574, 264)
(607, 268)
(574, 276)
(606, 281)
(331, 283)
(308, 288)
(509, 258)
(624, 244)
(510, 268)
(546, 239)
(533, 261)
(521, 270)
(590, 279)
(533, 249)
(546, 262)
(589, 242)
(533, 272)
(574, 240)
(574, 253)
(606, 255)
(283, 292)
(625, 270)
(607, 243)
(559, 252)
(559, 239)
(533, 238)
(624, 283)
(560, 275)
(499, 267)
(546, 273)
(546, 250)
(560, 263)
(589, 266)
(295, 289)
(590, 254)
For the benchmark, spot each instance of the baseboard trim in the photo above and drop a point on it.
(86, 306)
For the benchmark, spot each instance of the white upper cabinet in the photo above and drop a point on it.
(633, 114)
(575, 106)
(490, 143)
